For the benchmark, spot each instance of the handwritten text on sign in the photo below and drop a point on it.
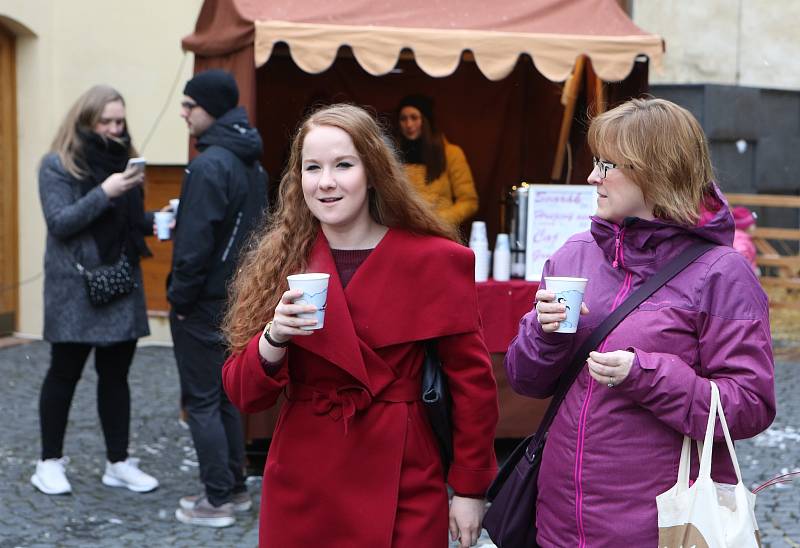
(555, 212)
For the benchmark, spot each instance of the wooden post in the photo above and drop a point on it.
(569, 97)
(599, 95)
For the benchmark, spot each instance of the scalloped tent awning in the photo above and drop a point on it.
(552, 32)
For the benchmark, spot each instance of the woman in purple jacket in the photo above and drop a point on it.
(616, 441)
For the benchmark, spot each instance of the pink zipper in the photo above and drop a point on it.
(578, 470)
(619, 254)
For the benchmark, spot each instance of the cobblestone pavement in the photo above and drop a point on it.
(777, 451)
(99, 516)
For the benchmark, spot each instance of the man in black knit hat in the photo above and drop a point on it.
(223, 198)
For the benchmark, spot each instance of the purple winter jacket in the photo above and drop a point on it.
(610, 451)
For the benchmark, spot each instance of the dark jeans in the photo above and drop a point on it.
(215, 423)
(113, 397)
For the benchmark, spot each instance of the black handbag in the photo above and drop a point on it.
(437, 402)
(107, 283)
(511, 518)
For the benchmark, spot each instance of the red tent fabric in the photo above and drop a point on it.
(552, 32)
(227, 25)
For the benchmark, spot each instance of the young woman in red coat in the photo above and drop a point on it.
(353, 461)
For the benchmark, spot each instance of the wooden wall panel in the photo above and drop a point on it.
(9, 258)
(162, 184)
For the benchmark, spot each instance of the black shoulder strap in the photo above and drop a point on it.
(672, 269)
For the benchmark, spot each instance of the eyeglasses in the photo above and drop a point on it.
(188, 105)
(603, 166)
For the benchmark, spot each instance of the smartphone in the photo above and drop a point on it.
(136, 163)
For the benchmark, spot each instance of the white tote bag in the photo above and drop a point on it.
(707, 514)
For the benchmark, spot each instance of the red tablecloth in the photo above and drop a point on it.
(502, 304)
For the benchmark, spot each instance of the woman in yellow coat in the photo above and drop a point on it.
(437, 169)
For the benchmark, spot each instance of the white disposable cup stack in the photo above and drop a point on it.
(479, 244)
(570, 292)
(477, 234)
(173, 203)
(483, 258)
(163, 220)
(315, 291)
(501, 265)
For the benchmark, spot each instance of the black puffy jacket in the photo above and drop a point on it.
(223, 198)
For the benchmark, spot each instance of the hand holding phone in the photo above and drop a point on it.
(136, 163)
(118, 183)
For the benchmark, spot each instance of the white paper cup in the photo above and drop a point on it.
(173, 203)
(477, 234)
(315, 291)
(501, 259)
(163, 220)
(483, 261)
(569, 291)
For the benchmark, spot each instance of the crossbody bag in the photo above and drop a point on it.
(107, 283)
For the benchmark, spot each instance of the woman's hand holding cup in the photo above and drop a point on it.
(286, 324)
(550, 313)
(172, 223)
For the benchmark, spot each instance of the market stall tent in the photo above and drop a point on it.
(496, 71)
(241, 35)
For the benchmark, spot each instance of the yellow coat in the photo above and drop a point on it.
(453, 193)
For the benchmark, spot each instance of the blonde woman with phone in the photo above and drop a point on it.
(93, 205)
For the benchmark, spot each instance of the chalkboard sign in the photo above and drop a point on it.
(555, 212)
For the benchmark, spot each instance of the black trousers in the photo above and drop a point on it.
(214, 422)
(113, 396)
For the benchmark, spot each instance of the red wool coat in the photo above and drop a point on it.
(353, 461)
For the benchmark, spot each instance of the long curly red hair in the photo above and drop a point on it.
(281, 247)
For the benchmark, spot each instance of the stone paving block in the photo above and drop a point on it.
(777, 164)
(732, 112)
(690, 97)
(733, 169)
(780, 112)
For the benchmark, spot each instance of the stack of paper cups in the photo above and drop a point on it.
(482, 259)
(501, 266)
(477, 234)
(479, 244)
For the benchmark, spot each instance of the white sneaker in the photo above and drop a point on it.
(50, 478)
(203, 513)
(241, 501)
(126, 473)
